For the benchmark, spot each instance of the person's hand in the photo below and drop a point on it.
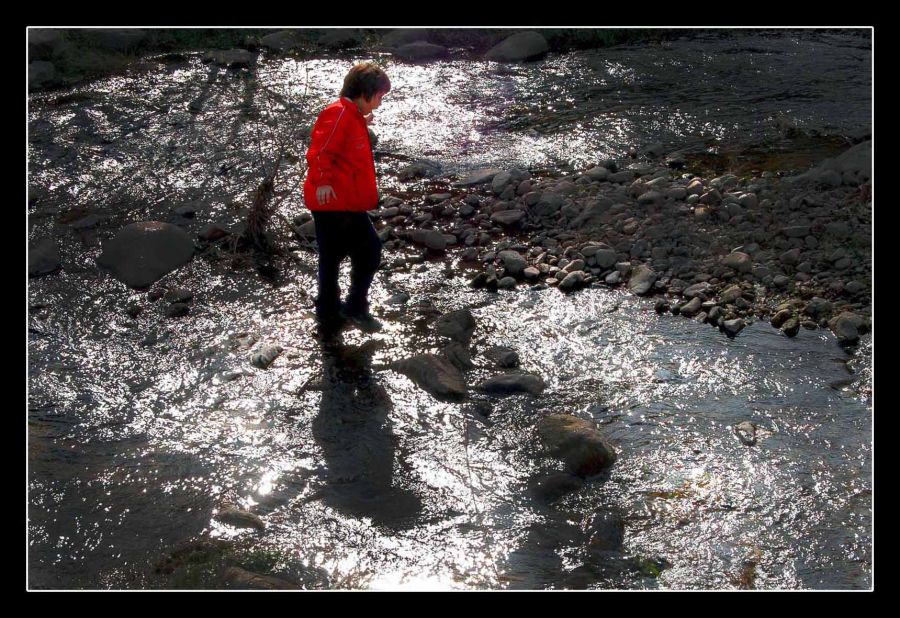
(370, 118)
(325, 194)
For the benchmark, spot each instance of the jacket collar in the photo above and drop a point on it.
(349, 104)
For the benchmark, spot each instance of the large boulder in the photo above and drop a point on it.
(46, 43)
(40, 73)
(576, 442)
(142, 253)
(519, 47)
(457, 325)
(433, 374)
(118, 39)
(508, 217)
(341, 39)
(283, 40)
(846, 327)
(404, 36)
(512, 383)
(420, 50)
(432, 239)
(853, 167)
(43, 257)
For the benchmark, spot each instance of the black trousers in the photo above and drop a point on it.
(339, 235)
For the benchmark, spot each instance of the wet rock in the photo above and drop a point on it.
(43, 257)
(513, 263)
(519, 47)
(142, 253)
(531, 273)
(605, 531)
(177, 310)
(432, 239)
(732, 294)
(421, 50)
(340, 39)
(733, 327)
(266, 356)
(795, 231)
(478, 177)
(662, 306)
(746, 433)
(457, 325)
(283, 40)
(214, 232)
(242, 579)
(511, 383)
(651, 198)
(572, 281)
(621, 177)
(597, 174)
(459, 355)
(576, 442)
(232, 58)
(134, 310)
(552, 487)
(403, 36)
(508, 217)
(691, 308)
(698, 290)
(791, 326)
(506, 283)
(40, 73)
(238, 518)
(739, 261)
(419, 169)
(502, 356)
(781, 317)
(117, 39)
(433, 374)
(846, 327)
(818, 308)
(642, 280)
(178, 295)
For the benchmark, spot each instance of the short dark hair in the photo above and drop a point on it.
(366, 79)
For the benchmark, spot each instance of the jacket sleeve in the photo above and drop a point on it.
(328, 136)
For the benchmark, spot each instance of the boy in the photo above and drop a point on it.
(339, 190)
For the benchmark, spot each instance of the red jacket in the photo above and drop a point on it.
(340, 155)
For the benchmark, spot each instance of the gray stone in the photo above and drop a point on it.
(238, 518)
(283, 40)
(40, 73)
(605, 532)
(508, 217)
(701, 290)
(733, 327)
(506, 283)
(513, 263)
(397, 299)
(432, 239)
(818, 308)
(519, 47)
(266, 356)
(457, 354)
(651, 197)
(142, 253)
(621, 177)
(478, 177)
(340, 39)
(457, 325)
(846, 327)
(419, 169)
(606, 258)
(642, 280)
(795, 231)
(576, 442)
(692, 307)
(433, 374)
(43, 257)
(502, 356)
(511, 383)
(531, 273)
(597, 174)
(572, 281)
(738, 261)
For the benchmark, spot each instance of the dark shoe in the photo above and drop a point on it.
(366, 322)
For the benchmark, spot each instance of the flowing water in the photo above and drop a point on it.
(140, 428)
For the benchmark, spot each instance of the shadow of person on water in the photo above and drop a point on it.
(354, 431)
